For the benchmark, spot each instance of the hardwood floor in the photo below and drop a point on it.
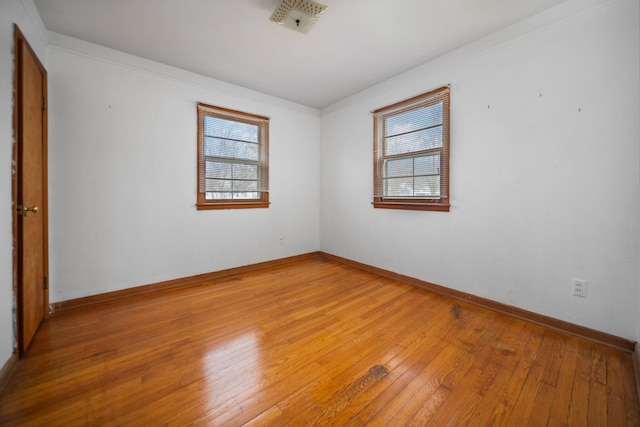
(314, 342)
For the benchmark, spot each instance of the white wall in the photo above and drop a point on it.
(545, 176)
(18, 12)
(122, 155)
(542, 192)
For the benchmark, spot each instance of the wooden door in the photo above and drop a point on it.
(30, 190)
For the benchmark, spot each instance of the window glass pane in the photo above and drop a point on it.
(217, 147)
(244, 196)
(416, 141)
(399, 187)
(219, 185)
(218, 170)
(242, 171)
(229, 195)
(427, 186)
(411, 153)
(229, 129)
(224, 170)
(232, 158)
(427, 165)
(218, 196)
(399, 167)
(412, 120)
(231, 189)
(244, 186)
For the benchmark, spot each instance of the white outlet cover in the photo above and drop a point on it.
(579, 288)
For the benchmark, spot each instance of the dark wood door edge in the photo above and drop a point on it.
(636, 368)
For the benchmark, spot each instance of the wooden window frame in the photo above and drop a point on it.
(380, 200)
(262, 122)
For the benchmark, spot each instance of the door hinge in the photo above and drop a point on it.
(45, 284)
(44, 104)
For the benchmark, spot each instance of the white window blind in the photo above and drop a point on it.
(232, 156)
(411, 152)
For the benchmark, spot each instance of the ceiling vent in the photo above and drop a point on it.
(298, 15)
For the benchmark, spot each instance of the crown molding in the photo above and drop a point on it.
(36, 20)
(104, 54)
(564, 11)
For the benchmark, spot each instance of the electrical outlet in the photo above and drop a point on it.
(579, 288)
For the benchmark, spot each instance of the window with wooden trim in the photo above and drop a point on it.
(233, 159)
(411, 153)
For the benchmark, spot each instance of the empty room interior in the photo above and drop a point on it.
(288, 212)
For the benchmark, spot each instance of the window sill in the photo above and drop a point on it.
(436, 207)
(232, 205)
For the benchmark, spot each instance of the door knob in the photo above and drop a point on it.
(24, 210)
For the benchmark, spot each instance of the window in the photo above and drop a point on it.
(411, 153)
(233, 161)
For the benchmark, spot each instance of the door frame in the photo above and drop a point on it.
(20, 43)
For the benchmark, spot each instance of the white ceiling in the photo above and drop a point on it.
(355, 44)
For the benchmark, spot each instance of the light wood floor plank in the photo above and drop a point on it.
(313, 342)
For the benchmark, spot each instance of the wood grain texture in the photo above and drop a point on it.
(546, 321)
(558, 325)
(311, 342)
(8, 368)
(61, 306)
(30, 190)
(636, 367)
